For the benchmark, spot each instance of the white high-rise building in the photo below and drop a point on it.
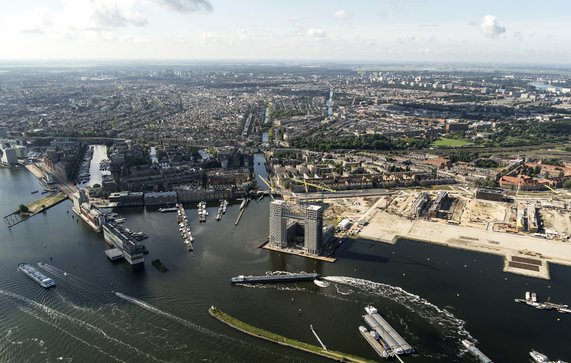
(278, 230)
(313, 229)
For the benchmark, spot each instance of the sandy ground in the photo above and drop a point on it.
(556, 221)
(478, 213)
(388, 228)
(38, 173)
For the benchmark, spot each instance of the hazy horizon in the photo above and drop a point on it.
(410, 31)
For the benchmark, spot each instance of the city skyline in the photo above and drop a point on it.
(371, 31)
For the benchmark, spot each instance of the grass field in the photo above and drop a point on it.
(443, 142)
(46, 202)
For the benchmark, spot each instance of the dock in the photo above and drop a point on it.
(239, 216)
(34, 208)
(114, 254)
(184, 228)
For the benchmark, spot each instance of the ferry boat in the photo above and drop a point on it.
(36, 275)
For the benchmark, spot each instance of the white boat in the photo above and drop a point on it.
(36, 275)
(538, 357)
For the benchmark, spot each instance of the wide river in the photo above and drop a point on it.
(432, 295)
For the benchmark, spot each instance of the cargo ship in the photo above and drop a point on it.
(36, 275)
(274, 278)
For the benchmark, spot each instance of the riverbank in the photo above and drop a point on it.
(278, 339)
(297, 252)
(389, 228)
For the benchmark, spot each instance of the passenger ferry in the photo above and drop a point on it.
(36, 275)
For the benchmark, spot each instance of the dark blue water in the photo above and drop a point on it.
(432, 295)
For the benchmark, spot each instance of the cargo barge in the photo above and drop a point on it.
(274, 278)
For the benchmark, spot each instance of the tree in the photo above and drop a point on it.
(96, 186)
(23, 209)
(567, 184)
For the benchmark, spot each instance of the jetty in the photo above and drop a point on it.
(183, 227)
(34, 208)
(278, 339)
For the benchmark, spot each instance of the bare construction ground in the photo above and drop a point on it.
(389, 228)
(469, 227)
(478, 213)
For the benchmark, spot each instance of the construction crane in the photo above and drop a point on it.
(318, 187)
(269, 184)
(555, 192)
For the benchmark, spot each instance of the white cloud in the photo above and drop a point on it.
(491, 28)
(316, 33)
(35, 20)
(186, 6)
(210, 37)
(341, 15)
(242, 34)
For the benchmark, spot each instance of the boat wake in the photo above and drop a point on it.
(189, 324)
(158, 311)
(321, 283)
(58, 320)
(451, 326)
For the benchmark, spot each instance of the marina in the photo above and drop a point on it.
(202, 212)
(184, 227)
(221, 209)
(36, 275)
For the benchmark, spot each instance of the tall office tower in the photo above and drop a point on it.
(313, 229)
(278, 232)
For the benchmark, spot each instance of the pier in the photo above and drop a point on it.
(184, 228)
(34, 208)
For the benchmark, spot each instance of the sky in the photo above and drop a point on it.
(475, 31)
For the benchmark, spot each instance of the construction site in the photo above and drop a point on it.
(528, 229)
